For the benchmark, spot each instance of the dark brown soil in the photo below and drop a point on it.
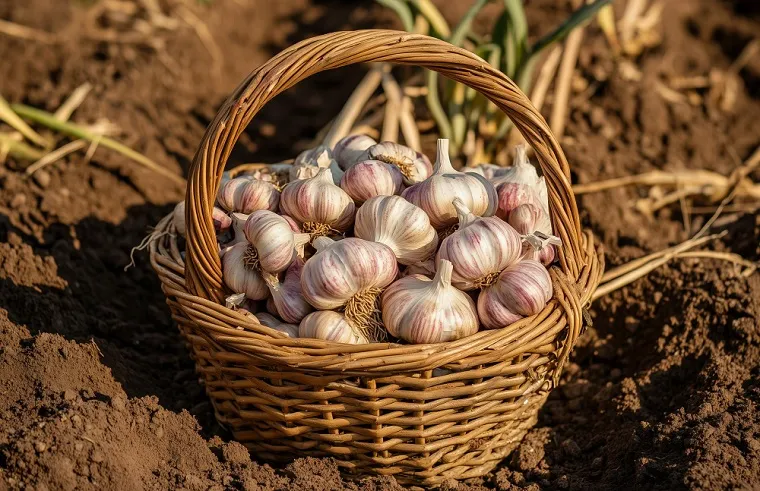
(97, 392)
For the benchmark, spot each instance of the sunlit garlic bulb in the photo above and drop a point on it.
(272, 239)
(527, 219)
(349, 273)
(435, 194)
(330, 326)
(245, 195)
(393, 221)
(420, 310)
(521, 185)
(349, 149)
(413, 165)
(370, 178)
(222, 221)
(240, 273)
(286, 295)
(523, 289)
(480, 249)
(309, 162)
(318, 204)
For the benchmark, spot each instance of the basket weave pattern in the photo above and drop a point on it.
(424, 413)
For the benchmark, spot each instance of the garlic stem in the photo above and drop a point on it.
(464, 215)
(442, 160)
(442, 278)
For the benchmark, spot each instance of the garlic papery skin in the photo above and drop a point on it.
(522, 290)
(293, 224)
(318, 204)
(370, 178)
(286, 295)
(435, 194)
(272, 322)
(221, 220)
(244, 195)
(489, 171)
(349, 273)
(421, 311)
(240, 274)
(480, 249)
(349, 149)
(272, 238)
(414, 166)
(330, 326)
(309, 162)
(528, 219)
(521, 185)
(393, 221)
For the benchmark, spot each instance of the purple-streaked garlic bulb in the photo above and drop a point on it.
(245, 195)
(522, 290)
(330, 326)
(240, 271)
(293, 224)
(393, 221)
(318, 205)
(480, 249)
(349, 149)
(527, 219)
(413, 165)
(521, 185)
(272, 239)
(286, 295)
(370, 178)
(421, 311)
(435, 194)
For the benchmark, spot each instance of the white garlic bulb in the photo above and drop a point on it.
(413, 165)
(240, 273)
(222, 221)
(349, 273)
(435, 194)
(370, 178)
(309, 162)
(349, 149)
(286, 295)
(318, 204)
(480, 249)
(420, 310)
(523, 289)
(245, 195)
(330, 326)
(393, 221)
(272, 239)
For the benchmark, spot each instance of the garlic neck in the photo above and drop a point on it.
(443, 273)
(464, 215)
(442, 160)
(324, 174)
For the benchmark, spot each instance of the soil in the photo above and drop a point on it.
(96, 389)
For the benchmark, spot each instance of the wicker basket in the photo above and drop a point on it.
(422, 413)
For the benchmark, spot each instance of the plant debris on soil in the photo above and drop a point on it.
(96, 388)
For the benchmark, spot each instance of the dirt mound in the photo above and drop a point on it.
(96, 389)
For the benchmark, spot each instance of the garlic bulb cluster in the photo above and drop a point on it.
(414, 166)
(393, 221)
(336, 247)
(420, 310)
(480, 249)
(246, 195)
(521, 290)
(318, 205)
(435, 194)
(370, 178)
(330, 326)
(349, 150)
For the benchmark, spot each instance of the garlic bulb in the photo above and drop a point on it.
(318, 204)
(272, 239)
(273, 322)
(349, 273)
(527, 219)
(523, 289)
(240, 273)
(480, 249)
(286, 295)
(393, 221)
(370, 178)
(520, 185)
(420, 310)
(330, 326)
(435, 194)
(245, 195)
(222, 221)
(349, 149)
(424, 268)
(293, 224)
(309, 162)
(413, 165)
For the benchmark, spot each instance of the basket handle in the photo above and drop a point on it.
(338, 49)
